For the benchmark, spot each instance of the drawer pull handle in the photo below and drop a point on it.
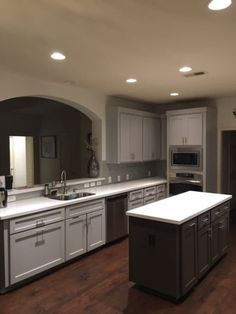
(192, 225)
(209, 231)
(40, 223)
(205, 220)
(217, 213)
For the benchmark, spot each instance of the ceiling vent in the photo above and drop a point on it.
(199, 73)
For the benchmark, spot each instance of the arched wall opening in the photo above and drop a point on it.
(38, 115)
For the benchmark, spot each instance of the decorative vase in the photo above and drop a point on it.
(93, 166)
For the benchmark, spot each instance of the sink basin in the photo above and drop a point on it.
(70, 196)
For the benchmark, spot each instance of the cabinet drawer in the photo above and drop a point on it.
(37, 250)
(160, 196)
(135, 204)
(204, 220)
(86, 207)
(135, 195)
(215, 213)
(149, 199)
(161, 188)
(224, 208)
(36, 220)
(149, 191)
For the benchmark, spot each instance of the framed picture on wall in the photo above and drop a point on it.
(48, 146)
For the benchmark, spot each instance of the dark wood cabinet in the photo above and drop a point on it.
(204, 250)
(170, 258)
(188, 255)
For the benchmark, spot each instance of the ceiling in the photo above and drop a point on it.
(108, 41)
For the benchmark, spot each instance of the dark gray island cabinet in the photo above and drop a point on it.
(174, 243)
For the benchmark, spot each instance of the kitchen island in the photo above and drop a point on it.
(174, 243)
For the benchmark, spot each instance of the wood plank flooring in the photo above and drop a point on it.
(99, 284)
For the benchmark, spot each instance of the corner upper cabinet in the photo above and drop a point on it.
(185, 129)
(132, 135)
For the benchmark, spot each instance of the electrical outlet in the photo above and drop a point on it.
(118, 178)
(149, 173)
(99, 182)
(127, 176)
(92, 184)
(86, 185)
(11, 198)
(109, 180)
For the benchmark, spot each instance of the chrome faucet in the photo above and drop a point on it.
(63, 180)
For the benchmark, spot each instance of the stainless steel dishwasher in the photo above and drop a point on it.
(116, 219)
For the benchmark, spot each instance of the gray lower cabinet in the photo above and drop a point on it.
(76, 236)
(85, 227)
(36, 250)
(96, 235)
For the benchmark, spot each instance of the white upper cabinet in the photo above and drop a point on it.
(151, 139)
(132, 135)
(185, 129)
(130, 138)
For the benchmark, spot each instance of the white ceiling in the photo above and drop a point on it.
(107, 41)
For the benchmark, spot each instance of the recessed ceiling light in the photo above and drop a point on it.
(174, 94)
(57, 56)
(131, 80)
(185, 69)
(216, 5)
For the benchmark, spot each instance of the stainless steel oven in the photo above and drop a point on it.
(188, 158)
(180, 182)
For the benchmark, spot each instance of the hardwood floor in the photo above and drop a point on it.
(99, 284)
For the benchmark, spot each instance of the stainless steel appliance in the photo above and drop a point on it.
(180, 182)
(189, 158)
(116, 219)
(3, 197)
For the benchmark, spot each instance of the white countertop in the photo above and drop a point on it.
(180, 208)
(34, 205)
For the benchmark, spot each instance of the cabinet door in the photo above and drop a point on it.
(204, 250)
(130, 138)
(96, 229)
(215, 242)
(189, 255)
(76, 232)
(34, 251)
(151, 139)
(177, 130)
(194, 134)
(224, 234)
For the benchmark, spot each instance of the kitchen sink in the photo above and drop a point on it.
(70, 196)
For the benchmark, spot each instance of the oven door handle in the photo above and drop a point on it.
(183, 180)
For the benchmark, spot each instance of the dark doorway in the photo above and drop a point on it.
(228, 166)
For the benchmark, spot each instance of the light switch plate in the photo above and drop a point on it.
(127, 176)
(92, 184)
(86, 185)
(149, 173)
(109, 180)
(99, 182)
(118, 178)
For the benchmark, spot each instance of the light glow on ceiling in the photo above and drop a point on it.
(174, 94)
(185, 69)
(217, 5)
(131, 80)
(57, 56)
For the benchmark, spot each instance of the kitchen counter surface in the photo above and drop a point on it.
(180, 208)
(34, 205)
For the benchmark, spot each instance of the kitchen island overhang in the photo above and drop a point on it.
(173, 243)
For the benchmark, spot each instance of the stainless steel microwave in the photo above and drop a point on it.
(189, 158)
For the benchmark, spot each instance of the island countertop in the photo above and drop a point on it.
(179, 208)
